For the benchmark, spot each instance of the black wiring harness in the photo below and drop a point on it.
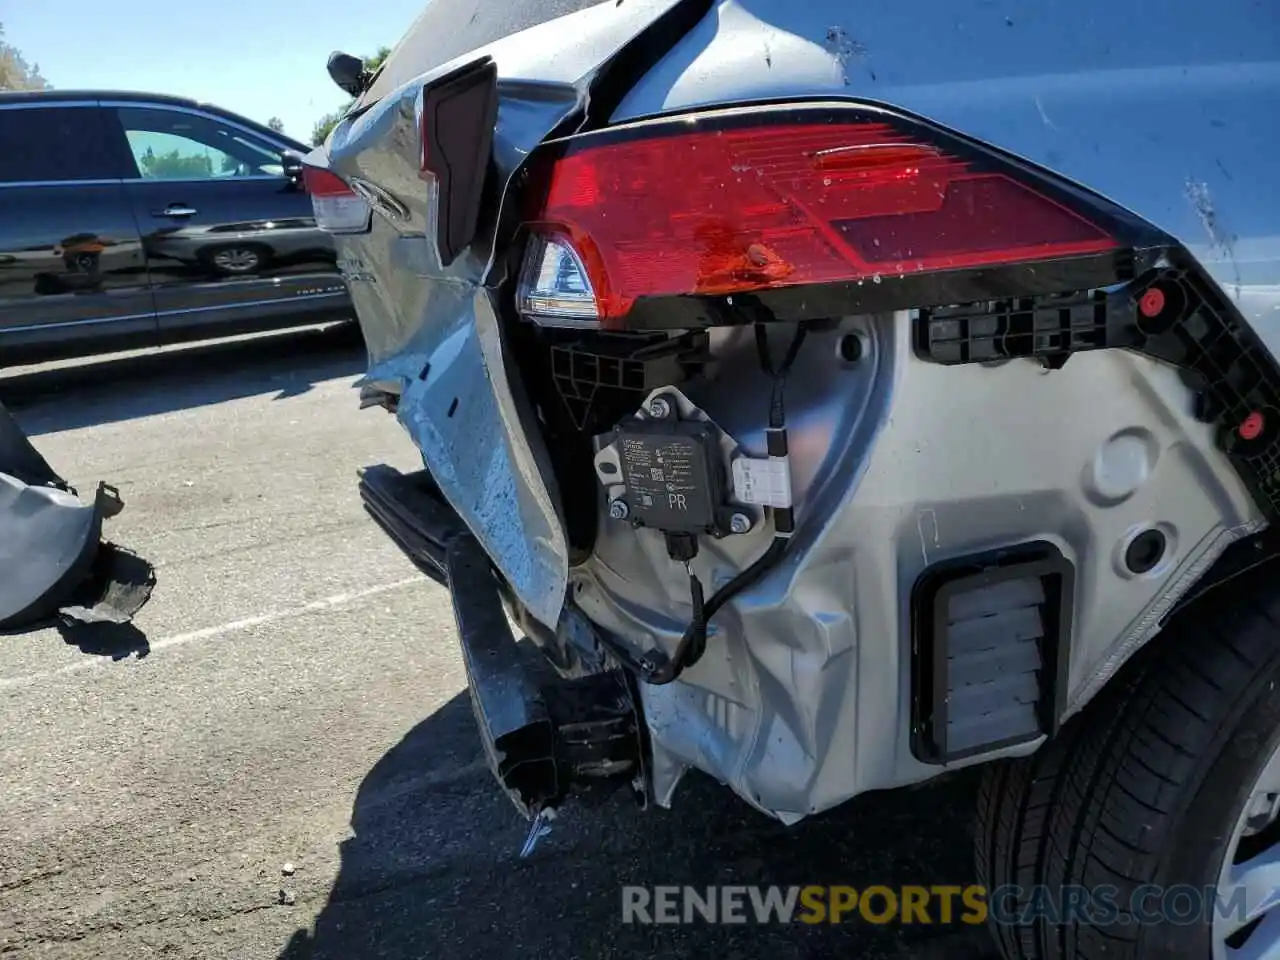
(656, 666)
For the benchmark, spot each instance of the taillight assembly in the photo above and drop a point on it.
(706, 209)
(338, 208)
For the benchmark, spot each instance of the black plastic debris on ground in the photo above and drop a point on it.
(118, 586)
(97, 616)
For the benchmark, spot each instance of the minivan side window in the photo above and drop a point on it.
(54, 144)
(177, 145)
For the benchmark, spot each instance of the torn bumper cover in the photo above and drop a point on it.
(545, 736)
(53, 562)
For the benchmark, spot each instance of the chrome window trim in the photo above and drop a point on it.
(64, 183)
(193, 111)
(77, 323)
(144, 105)
(55, 105)
(47, 104)
(171, 313)
(257, 176)
(131, 180)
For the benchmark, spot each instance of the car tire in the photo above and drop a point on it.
(238, 259)
(1142, 798)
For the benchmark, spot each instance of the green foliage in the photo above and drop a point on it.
(324, 126)
(276, 124)
(174, 166)
(15, 72)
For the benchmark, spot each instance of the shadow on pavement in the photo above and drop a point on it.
(432, 868)
(115, 640)
(64, 397)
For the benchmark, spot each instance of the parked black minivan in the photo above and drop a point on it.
(131, 219)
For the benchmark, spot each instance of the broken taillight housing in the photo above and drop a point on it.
(687, 210)
(338, 208)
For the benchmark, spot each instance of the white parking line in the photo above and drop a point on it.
(210, 633)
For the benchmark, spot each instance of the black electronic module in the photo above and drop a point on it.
(672, 474)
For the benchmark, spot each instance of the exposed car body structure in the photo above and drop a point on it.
(1019, 273)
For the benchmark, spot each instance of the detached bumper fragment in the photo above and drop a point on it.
(54, 565)
(545, 737)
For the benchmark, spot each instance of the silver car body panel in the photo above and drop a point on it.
(43, 532)
(802, 698)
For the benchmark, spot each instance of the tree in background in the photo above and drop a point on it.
(276, 124)
(174, 166)
(15, 72)
(326, 123)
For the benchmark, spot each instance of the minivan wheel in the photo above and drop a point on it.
(1105, 841)
(238, 259)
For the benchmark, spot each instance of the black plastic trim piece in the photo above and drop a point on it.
(905, 292)
(515, 727)
(932, 690)
(410, 510)
(545, 736)
(615, 78)
(600, 376)
(459, 111)
(1169, 312)
(1238, 559)
(1235, 378)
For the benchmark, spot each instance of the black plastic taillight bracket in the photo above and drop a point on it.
(1170, 313)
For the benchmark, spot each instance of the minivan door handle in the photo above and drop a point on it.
(176, 210)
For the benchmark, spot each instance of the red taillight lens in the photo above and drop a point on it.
(736, 210)
(322, 183)
(337, 207)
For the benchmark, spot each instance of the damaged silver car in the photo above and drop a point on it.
(839, 397)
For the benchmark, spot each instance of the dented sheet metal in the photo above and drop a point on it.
(432, 330)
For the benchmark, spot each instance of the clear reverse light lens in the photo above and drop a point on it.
(554, 289)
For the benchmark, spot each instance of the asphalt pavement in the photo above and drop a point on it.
(277, 761)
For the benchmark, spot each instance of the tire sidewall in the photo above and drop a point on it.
(1199, 843)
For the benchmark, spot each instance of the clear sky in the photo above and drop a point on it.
(260, 58)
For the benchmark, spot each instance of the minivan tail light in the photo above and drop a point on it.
(696, 211)
(337, 207)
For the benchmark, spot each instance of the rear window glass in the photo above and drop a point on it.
(54, 144)
(450, 28)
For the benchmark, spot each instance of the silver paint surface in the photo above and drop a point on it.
(802, 698)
